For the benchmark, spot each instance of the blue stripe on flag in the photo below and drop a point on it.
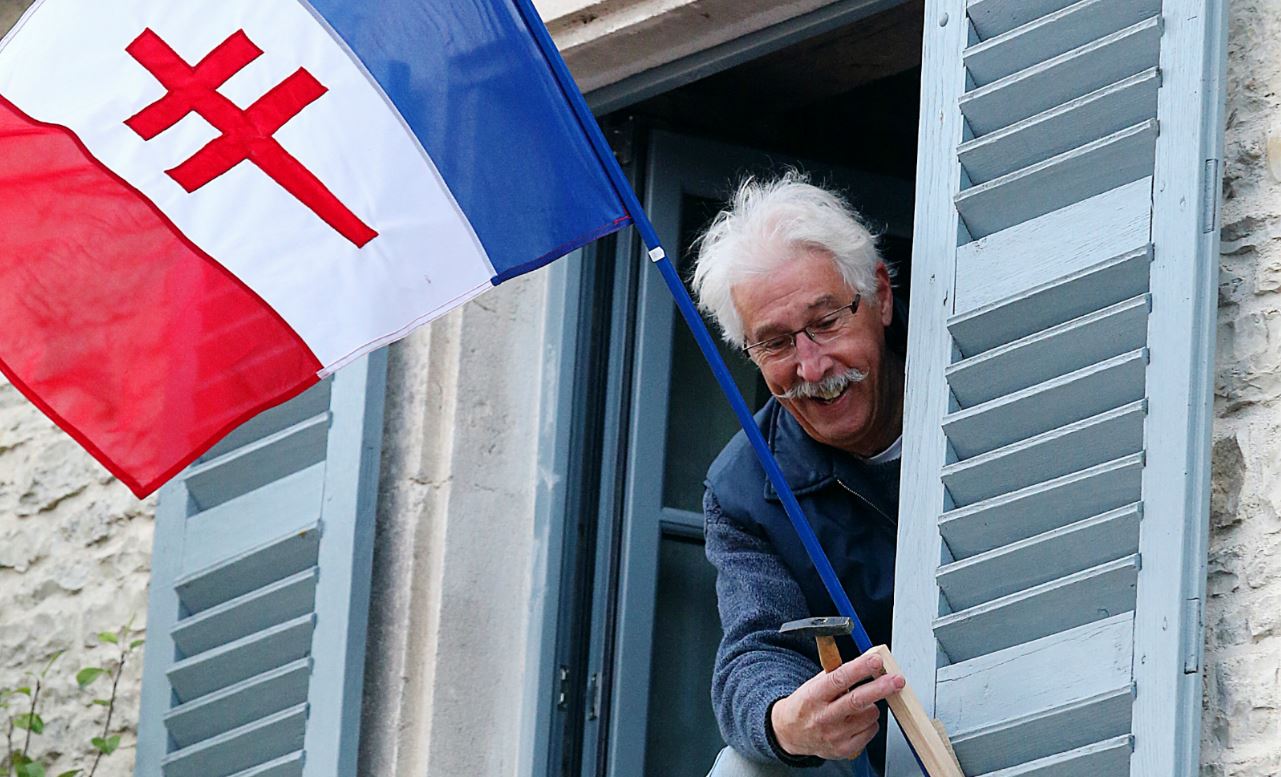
(473, 86)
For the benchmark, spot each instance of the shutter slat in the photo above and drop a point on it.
(289, 598)
(1042, 558)
(1046, 456)
(1052, 607)
(1097, 719)
(1109, 758)
(242, 748)
(986, 700)
(994, 17)
(245, 572)
(1091, 169)
(1043, 507)
(1057, 402)
(1053, 34)
(1018, 269)
(1061, 128)
(1063, 78)
(258, 697)
(1030, 360)
(285, 766)
(228, 664)
(311, 402)
(256, 464)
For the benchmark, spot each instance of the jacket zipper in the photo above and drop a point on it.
(867, 502)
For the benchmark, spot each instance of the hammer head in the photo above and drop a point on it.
(818, 627)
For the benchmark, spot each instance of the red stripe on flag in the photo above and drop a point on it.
(114, 324)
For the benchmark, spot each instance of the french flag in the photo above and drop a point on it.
(208, 205)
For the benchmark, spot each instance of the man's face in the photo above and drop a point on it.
(796, 295)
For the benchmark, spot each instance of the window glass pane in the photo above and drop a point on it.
(682, 737)
(699, 419)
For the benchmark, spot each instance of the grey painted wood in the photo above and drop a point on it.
(1077, 724)
(993, 702)
(311, 402)
(1059, 79)
(1062, 128)
(1089, 170)
(1058, 452)
(1109, 758)
(1176, 481)
(258, 463)
(1042, 558)
(1053, 34)
(1072, 345)
(1017, 269)
(239, 704)
(285, 766)
(288, 598)
(994, 17)
(1057, 402)
(241, 748)
(241, 659)
(1061, 604)
(239, 573)
(924, 448)
(1048, 505)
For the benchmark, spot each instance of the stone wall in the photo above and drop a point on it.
(1241, 731)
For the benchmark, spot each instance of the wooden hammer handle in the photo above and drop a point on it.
(828, 654)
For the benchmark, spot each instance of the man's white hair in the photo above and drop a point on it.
(763, 227)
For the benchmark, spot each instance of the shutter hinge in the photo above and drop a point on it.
(593, 694)
(1210, 196)
(562, 688)
(1193, 636)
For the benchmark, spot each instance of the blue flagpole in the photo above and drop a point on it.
(704, 339)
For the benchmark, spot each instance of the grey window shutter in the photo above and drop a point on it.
(1055, 481)
(260, 592)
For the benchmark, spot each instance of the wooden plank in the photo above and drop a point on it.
(1061, 128)
(259, 609)
(1083, 341)
(1013, 274)
(1055, 453)
(229, 664)
(1043, 507)
(1109, 758)
(1065, 77)
(285, 766)
(256, 464)
(1057, 402)
(1028, 738)
(1053, 34)
(239, 704)
(994, 17)
(234, 576)
(241, 749)
(1057, 553)
(1055, 183)
(1061, 604)
(931, 747)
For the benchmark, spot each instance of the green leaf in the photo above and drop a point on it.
(19, 759)
(31, 769)
(102, 702)
(24, 690)
(88, 675)
(29, 721)
(107, 636)
(137, 643)
(49, 665)
(108, 745)
(71, 773)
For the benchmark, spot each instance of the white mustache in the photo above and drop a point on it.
(829, 386)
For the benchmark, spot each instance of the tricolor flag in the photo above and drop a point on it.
(208, 205)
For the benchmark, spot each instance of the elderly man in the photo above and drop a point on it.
(793, 277)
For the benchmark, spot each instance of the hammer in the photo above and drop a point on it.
(927, 736)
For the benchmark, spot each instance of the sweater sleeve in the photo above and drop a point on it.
(755, 665)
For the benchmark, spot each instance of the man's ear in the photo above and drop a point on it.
(884, 294)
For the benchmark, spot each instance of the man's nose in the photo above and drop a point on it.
(812, 361)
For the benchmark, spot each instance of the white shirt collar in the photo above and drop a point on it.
(891, 453)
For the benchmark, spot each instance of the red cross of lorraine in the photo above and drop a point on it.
(246, 134)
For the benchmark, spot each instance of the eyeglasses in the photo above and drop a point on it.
(820, 332)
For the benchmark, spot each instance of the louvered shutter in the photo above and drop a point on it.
(260, 592)
(1051, 558)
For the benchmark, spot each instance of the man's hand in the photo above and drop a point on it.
(828, 718)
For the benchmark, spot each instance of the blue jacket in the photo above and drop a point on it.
(764, 577)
